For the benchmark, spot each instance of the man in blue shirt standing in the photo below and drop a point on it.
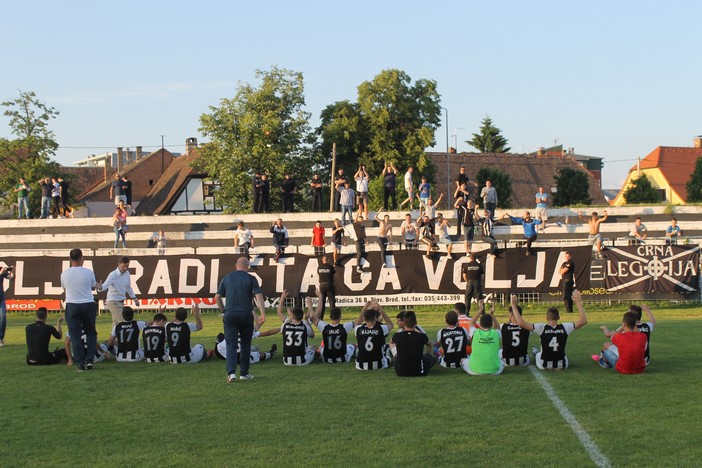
(529, 224)
(239, 288)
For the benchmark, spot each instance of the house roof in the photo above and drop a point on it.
(675, 163)
(126, 170)
(167, 188)
(526, 172)
(83, 178)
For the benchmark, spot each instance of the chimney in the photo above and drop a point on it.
(138, 153)
(127, 156)
(190, 144)
(571, 151)
(119, 159)
(697, 141)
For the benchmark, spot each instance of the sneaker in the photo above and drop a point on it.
(246, 377)
(231, 378)
(80, 368)
(220, 337)
(88, 366)
(603, 363)
(2, 343)
(274, 349)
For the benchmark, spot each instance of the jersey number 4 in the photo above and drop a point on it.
(553, 344)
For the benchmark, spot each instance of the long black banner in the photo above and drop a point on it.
(652, 268)
(409, 276)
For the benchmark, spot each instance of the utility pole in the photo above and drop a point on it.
(162, 149)
(333, 171)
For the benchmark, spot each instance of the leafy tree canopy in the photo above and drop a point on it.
(572, 187)
(489, 139)
(641, 191)
(694, 185)
(262, 128)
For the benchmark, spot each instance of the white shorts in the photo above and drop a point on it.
(375, 365)
(466, 367)
(542, 214)
(452, 365)
(445, 240)
(350, 350)
(540, 363)
(300, 360)
(197, 353)
(520, 361)
(136, 356)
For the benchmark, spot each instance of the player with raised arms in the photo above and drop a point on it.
(295, 330)
(178, 334)
(515, 339)
(453, 340)
(554, 335)
(370, 336)
(335, 347)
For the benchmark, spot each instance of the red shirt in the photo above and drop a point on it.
(632, 348)
(318, 236)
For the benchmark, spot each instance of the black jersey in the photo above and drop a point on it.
(334, 338)
(453, 342)
(371, 346)
(326, 274)
(570, 270)
(154, 343)
(294, 342)
(553, 343)
(410, 350)
(515, 344)
(127, 334)
(473, 270)
(646, 328)
(178, 335)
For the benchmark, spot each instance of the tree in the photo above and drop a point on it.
(29, 155)
(400, 118)
(502, 183)
(261, 128)
(490, 139)
(694, 185)
(343, 124)
(572, 187)
(641, 191)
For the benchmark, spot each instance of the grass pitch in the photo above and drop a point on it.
(333, 415)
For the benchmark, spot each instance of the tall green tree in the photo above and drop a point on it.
(401, 119)
(489, 139)
(572, 187)
(694, 185)
(262, 128)
(343, 124)
(641, 191)
(502, 183)
(30, 154)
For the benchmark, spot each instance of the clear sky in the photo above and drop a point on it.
(609, 78)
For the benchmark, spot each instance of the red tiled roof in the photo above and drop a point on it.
(675, 163)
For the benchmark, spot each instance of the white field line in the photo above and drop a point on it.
(593, 450)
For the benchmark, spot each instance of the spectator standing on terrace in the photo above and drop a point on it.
(672, 232)
(127, 188)
(346, 199)
(161, 241)
(117, 190)
(255, 192)
(424, 191)
(119, 224)
(359, 234)
(55, 196)
(22, 190)
(339, 180)
(337, 239)
(489, 196)
(529, 224)
(463, 180)
(288, 188)
(45, 185)
(384, 234)
(409, 188)
(594, 225)
(63, 192)
(316, 192)
(542, 208)
(465, 212)
(486, 225)
(389, 174)
(361, 178)
(265, 201)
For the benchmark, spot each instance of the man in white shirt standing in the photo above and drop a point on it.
(119, 287)
(78, 282)
(409, 188)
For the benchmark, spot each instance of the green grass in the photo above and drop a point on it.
(330, 415)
